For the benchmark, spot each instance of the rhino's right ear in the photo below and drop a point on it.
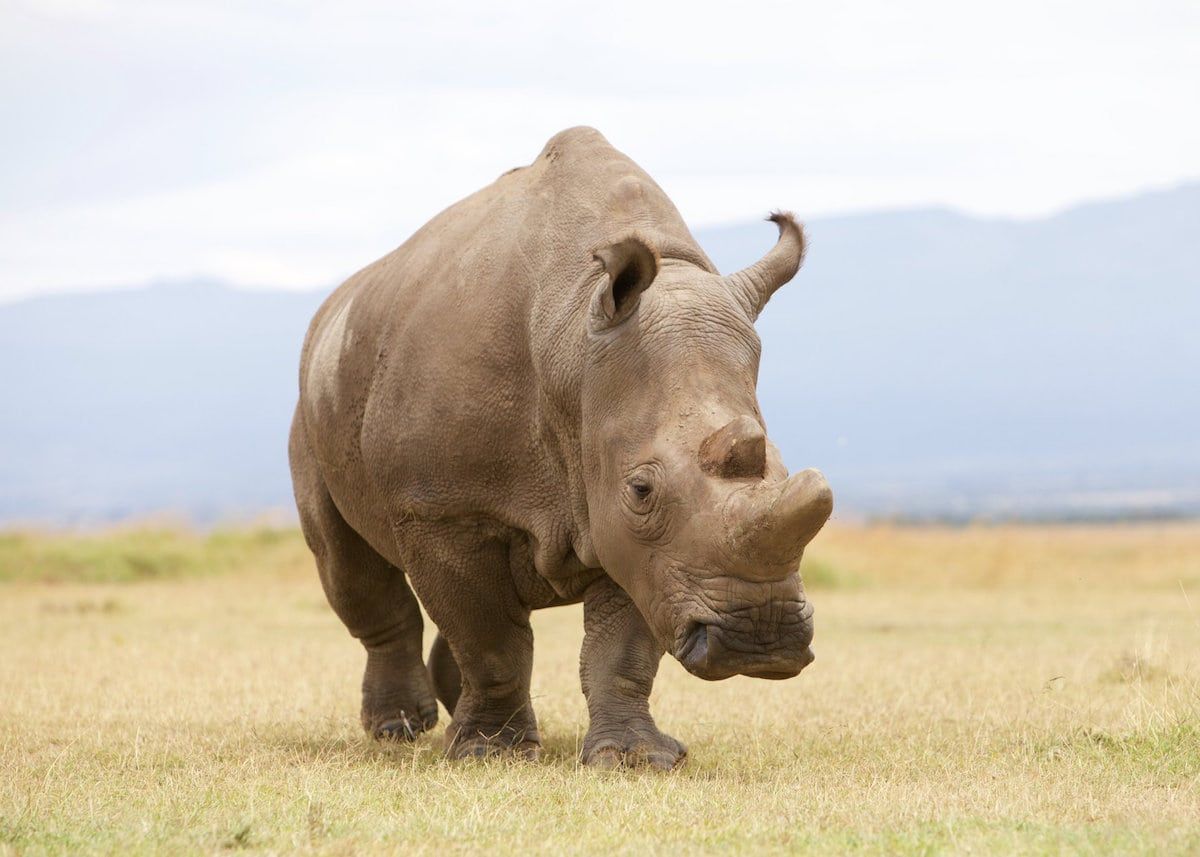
(630, 266)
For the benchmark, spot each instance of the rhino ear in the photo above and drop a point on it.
(630, 266)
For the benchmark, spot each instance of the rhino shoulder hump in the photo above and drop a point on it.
(581, 136)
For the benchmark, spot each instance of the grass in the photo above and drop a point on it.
(125, 555)
(1016, 690)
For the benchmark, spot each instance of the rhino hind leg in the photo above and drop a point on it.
(374, 601)
(398, 702)
(462, 572)
(443, 669)
(617, 666)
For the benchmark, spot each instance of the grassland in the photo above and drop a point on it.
(1004, 690)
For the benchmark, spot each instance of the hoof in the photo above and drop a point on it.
(658, 752)
(483, 748)
(398, 722)
(397, 699)
(401, 728)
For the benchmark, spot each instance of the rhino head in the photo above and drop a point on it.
(691, 510)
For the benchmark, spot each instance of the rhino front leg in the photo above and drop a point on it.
(617, 668)
(462, 573)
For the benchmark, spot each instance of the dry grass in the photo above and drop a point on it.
(1009, 690)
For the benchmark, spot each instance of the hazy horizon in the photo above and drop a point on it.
(205, 277)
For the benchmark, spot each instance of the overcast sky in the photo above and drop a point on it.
(287, 144)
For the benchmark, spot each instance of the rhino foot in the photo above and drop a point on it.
(400, 723)
(397, 702)
(632, 746)
(479, 748)
(467, 742)
(402, 728)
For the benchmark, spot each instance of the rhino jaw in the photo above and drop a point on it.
(705, 656)
(715, 649)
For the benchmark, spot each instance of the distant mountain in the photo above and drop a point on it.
(172, 398)
(936, 364)
(932, 364)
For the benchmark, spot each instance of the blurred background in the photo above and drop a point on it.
(997, 319)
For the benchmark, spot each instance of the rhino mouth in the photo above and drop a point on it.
(712, 651)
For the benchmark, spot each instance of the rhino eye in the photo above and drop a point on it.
(641, 490)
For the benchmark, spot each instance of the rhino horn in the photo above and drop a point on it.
(782, 518)
(754, 286)
(736, 450)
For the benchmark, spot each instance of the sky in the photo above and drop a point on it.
(278, 144)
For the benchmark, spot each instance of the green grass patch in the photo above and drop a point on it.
(124, 556)
(818, 574)
(1167, 754)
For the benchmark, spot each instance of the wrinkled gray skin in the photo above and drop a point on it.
(546, 395)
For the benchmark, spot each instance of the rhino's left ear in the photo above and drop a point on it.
(630, 266)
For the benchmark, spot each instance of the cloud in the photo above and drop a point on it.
(264, 142)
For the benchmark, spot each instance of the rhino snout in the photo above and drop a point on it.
(715, 650)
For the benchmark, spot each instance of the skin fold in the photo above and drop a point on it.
(546, 396)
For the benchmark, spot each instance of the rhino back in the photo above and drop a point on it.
(442, 380)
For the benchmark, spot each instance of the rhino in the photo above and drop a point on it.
(546, 396)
